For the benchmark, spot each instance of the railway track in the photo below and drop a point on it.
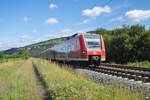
(130, 72)
(136, 79)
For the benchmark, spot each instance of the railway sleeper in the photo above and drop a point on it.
(136, 75)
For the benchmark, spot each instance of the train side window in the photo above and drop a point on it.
(72, 47)
(77, 43)
(68, 48)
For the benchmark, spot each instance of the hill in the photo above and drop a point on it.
(36, 48)
(11, 51)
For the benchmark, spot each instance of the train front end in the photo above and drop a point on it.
(95, 48)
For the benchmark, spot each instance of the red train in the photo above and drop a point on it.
(80, 48)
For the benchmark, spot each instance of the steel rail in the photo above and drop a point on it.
(126, 67)
(136, 73)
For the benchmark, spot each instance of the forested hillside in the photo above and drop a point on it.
(35, 49)
(127, 44)
(21, 54)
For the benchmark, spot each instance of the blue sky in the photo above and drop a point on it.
(24, 22)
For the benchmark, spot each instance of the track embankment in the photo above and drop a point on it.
(136, 79)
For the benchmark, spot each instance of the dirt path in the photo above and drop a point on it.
(41, 85)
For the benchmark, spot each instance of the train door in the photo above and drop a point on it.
(66, 53)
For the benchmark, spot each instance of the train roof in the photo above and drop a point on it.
(77, 34)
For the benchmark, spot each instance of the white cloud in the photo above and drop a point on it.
(120, 27)
(26, 38)
(85, 21)
(80, 31)
(53, 5)
(117, 19)
(137, 15)
(13, 44)
(26, 18)
(35, 41)
(66, 31)
(1, 44)
(9, 44)
(6, 45)
(96, 11)
(34, 30)
(16, 44)
(50, 36)
(84, 30)
(51, 21)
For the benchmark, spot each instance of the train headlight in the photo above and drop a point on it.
(103, 52)
(84, 52)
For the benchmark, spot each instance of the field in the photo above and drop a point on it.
(36, 79)
(22, 84)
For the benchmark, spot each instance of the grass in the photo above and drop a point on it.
(64, 85)
(23, 85)
(140, 64)
(2, 60)
(61, 83)
(7, 71)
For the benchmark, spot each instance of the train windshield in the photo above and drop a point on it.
(90, 43)
(93, 42)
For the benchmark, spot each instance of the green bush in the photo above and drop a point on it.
(126, 44)
(23, 54)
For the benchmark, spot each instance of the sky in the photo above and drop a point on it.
(24, 22)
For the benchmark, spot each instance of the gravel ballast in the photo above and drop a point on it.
(109, 79)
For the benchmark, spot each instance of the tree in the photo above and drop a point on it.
(128, 43)
(1, 55)
(23, 53)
